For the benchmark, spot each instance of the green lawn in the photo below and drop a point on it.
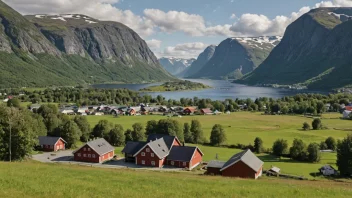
(244, 127)
(53, 180)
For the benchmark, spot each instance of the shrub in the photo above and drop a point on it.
(258, 145)
(298, 151)
(306, 126)
(323, 146)
(313, 152)
(280, 147)
(316, 124)
(331, 143)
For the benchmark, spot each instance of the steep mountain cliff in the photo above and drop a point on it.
(45, 50)
(176, 66)
(315, 52)
(198, 64)
(237, 56)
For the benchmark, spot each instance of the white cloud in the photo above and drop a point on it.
(154, 44)
(335, 3)
(233, 16)
(99, 9)
(184, 50)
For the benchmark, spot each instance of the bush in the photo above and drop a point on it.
(323, 146)
(280, 147)
(258, 145)
(306, 126)
(331, 143)
(298, 151)
(313, 152)
(316, 124)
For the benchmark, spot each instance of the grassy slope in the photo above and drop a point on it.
(44, 180)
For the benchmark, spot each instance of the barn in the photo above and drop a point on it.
(184, 157)
(244, 165)
(96, 151)
(50, 144)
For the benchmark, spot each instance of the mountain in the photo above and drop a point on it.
(237, 56)
(176, 66)
(314, 52)
(44, 50)
(198, 64)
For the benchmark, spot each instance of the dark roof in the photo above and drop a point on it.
(101, 146)
(133, 147)
(246, 157)
(181, 153)
(46, 140)
(215, 164)
(169, 140)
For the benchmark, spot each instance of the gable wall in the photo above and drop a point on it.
(239, 169)
(148, 159)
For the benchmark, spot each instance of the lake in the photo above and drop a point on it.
(221, 90)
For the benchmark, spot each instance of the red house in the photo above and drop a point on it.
(51, 143)
(189, 110)
(206, 111)
(160, 150)
(96, 151)
(244, 165)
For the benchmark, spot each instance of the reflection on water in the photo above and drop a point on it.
(221, 90)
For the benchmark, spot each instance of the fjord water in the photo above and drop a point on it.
(221, 90)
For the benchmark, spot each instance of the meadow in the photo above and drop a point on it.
(53, 180)
(243, 127)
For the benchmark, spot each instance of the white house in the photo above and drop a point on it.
(346, 114)
(67, 111)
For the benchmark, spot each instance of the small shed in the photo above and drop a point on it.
(274, 169)
(214, 166)
(346, 114)
(327, 170)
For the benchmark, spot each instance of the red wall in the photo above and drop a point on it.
(213, 171)
(91, 152)
(176, 143)
(55, 147)
(148, 158)
(197, 158)
(239, 169)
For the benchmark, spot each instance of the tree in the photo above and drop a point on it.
(138, 133)
(128, 135)
(102, 129)
(323, 146)
(116, 136)
(197, 132)
(14, 102)
(171, 127)
(344, 156)
(331, 143)
(316, 124)
(187, 132)
(280, 147)
(298, 151)
(84, 126)
(314, 152)
(306, 126)
(70, 132)
(218, 135)
(152, 127)
(258, 145)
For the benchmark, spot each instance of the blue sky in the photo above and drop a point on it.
(184, 28)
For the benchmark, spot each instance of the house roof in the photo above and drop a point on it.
(169, 140)
(192, 109)
(158, 146)
(133, 147)
(207, 110)
(100, 146)
(47, 140)
(246, 157)
(182, 153)
(215, 164)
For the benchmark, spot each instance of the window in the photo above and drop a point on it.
(88, 149)
(151, 154)
(172, 163)
(84, 149)
(84, 155)
(143, 153)
(143, 162)
(89, 155)
(93, 156)
(148, 150)
(153, 163)
(184, 163)
(79, 154)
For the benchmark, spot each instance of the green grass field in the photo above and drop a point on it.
(53, 180)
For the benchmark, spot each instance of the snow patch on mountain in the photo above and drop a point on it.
(262, 42)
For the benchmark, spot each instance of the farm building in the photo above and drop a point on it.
(328, 170)
(189, 110)
(206, 111)
(244, 164)
(51, 143)
(161, 150)
(346, 114)
(96, 151)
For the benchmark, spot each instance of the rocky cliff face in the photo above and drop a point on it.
(237, 56)
(314, 52)
(43, 50)
(176, 66)
(202, 59)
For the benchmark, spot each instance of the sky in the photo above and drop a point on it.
(184, 28)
